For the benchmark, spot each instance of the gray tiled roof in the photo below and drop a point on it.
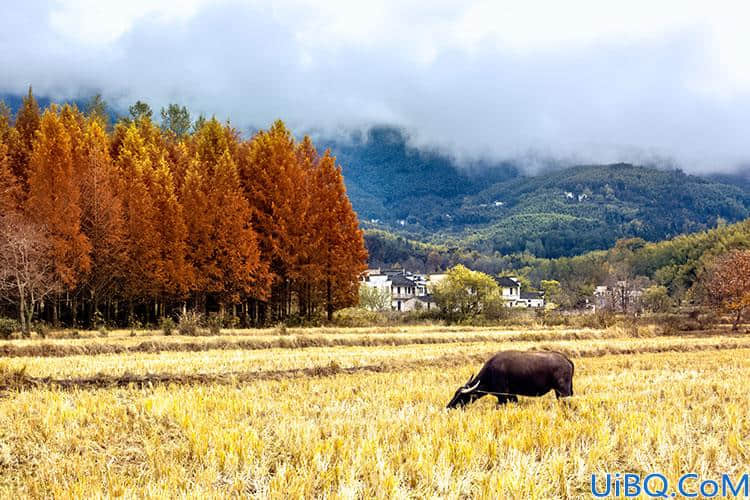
(505, 281)
(401, 280)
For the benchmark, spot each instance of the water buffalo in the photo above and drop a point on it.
(511, 373)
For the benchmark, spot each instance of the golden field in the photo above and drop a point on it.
(365, 419)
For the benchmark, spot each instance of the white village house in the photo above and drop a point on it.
(413, 292)
(620, 296)
(408, 291)
(510, 289)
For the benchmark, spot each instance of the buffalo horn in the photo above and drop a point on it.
(469, 389)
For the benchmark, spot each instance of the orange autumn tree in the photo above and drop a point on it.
(308, 268)
(341, 249)
(27, 123)
(173, 273)
(54, 200)
(161, 221)
(179, 157)
(222, 245)
(10, 190)
(270, 176)
(307, 227)
(101, 215)
(6, 120)
(74, 123)
(140, 234)
(155, 231)
(727, 284)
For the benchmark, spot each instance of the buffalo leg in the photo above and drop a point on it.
(565, 390)
(503, 399)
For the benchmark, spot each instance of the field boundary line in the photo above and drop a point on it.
(47, 350)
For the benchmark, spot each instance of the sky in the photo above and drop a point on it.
(640, 81)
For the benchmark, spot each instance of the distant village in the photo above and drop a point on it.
(406, 291)
(413, 292)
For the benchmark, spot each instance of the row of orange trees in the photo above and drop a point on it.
(139, 221)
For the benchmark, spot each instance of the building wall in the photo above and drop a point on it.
(530, 303)
(409, 305)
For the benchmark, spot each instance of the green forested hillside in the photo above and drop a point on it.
(570, 211)
(676, 263)
(741, 179)
(427, 197)
(391, 182)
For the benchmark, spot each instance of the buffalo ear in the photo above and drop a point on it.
(470, 379)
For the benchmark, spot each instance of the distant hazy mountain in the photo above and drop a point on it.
(389, 181)
(737, 179)
(489, 208)
(13, 101)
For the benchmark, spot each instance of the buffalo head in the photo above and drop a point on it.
(465, 394)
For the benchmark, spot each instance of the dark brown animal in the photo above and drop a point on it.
(509, 374)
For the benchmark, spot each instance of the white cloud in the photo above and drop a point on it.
(577, 80)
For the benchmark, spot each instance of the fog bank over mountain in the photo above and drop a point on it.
(536, 83)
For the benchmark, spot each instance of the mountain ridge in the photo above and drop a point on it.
(563, 211)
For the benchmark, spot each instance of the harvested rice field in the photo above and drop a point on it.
(361, 414)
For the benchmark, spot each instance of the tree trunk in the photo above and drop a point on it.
(737, 318)
(244, 320)
(29, 316)
(308, 300)
(73, 306)
(261, 309)
(22, 315)
(329, 299)
(94, 311)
